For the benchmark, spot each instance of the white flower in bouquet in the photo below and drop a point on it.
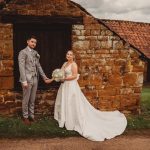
(58, 75)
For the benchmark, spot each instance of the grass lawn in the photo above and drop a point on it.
(48, 127)
(45, 127)
(138, 122)
(142, 121)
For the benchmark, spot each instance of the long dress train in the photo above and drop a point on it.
(73, 111)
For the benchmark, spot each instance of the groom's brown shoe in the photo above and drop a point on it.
(26, 121)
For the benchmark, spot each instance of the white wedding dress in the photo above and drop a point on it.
(73, 111)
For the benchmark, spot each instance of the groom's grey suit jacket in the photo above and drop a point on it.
(29, 65)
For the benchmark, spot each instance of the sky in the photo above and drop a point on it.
(131, 10)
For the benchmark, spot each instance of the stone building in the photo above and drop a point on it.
(111, 67)
(138, 35)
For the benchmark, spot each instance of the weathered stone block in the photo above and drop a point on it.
(138, 68)
(1, 99)
(116, 103)
(91, 37)
(113, 51)
(126, 91)
(110, 61)
(81, 45)
(106, 44)
(116, 69)
(118, 45)
(89, 20)
(95, 32)
(140, 79)
(103, 38)
(123, 53)
(102, 51)
(130, 79)
(106, 103)
(6, 83)
(78, 27)
(6, 72)
(9, 97)
(107, 92)
(92, 26)
(128, 101)
(108, 33)
(85, 32)
(115, 80)
(102, 62)
(95, 80)
(9, 104)
(76, 32)
(103, 33)
(137, 89)
(8, 54)
(120, 62)
(95, 44)
(6, 68)
(81, 37)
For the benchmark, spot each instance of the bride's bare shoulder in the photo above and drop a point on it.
(74, 64)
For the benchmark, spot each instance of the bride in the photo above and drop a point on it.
(73, 110)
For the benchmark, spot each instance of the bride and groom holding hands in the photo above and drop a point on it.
(72, 109)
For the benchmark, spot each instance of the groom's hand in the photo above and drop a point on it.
(48, 80)
(25, 85)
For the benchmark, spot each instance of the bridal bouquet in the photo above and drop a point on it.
(58, 75)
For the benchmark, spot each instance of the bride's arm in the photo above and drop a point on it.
(74, 69)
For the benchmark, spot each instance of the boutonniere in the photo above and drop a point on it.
(37, 55)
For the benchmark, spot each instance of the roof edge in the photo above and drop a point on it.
(82, 8)
(137, 22)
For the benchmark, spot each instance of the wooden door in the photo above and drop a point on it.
(53, 42)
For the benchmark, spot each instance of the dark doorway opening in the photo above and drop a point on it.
(53, 42)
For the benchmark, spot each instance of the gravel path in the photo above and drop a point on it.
(124, 142)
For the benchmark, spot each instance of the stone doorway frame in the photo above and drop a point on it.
(29, 19)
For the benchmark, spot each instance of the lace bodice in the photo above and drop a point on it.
(67, 71)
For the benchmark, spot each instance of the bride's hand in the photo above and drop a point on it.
(62, 80)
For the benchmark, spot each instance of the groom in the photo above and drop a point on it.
(30, 68)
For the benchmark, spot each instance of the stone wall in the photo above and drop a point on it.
(111, 73)
(6, 56)
(43, 8)
(11, 102)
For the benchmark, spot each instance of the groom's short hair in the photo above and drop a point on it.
(31, 37)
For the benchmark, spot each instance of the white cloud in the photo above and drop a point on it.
(134, 10)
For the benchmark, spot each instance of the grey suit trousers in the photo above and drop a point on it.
(29, 95)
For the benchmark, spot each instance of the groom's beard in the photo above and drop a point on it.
(32, 47)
